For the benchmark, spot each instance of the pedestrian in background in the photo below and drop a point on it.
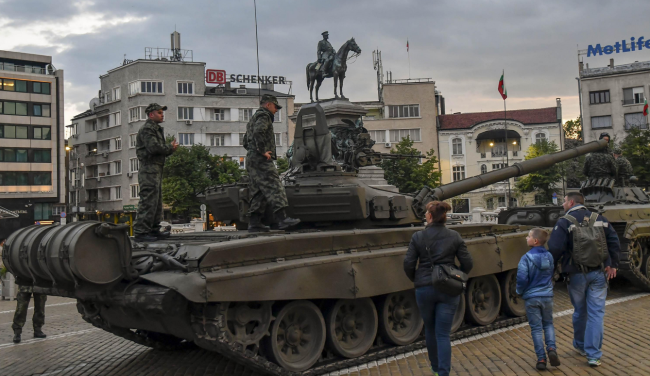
(587, 285)
(436, 307)
(535, 284)
(20, 317)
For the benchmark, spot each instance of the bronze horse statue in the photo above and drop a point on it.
(337, 71)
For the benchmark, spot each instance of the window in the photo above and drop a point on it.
(278, 116)
(241, 161)
(185, 113)
(133, 140)
(117, 193)
(217, 139)
(13, 131)
(117, 143)
(8, 85)
(136, 113)
(457, 146)
(21, 155)
(21, 86)
(13, 155)
(153, 87)
(241, 139)
(458, 173)
(404, 111)
(14, 108)
(601, 122)
(42, 178)
(540, 137)
(42, 156)
(116, 93)
(245, 114)
(498, 166)
(42, 133)
(278, 139)
(596, 97)
(41, 110)
(56, 210)
(91, 125)
(134, 164)
(133, 88)
(483, 169)
(396, 135)
(42, 211)
(186, 139)
(635, 120)
(185, 88)
(14, 178)
(378, 136)
(460, 205)
(135, 191)
(115, 119)
(117, 168)
(219, 114)
(41, 87)
(633, 95)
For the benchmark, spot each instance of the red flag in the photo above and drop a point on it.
(502, 87)
(645, 108)
(407, 45)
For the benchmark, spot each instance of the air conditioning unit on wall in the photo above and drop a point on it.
(129, 174)
(188, 122)
(388, 144)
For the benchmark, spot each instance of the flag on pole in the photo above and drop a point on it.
(645, 108)
(502, 87)
(407, 45)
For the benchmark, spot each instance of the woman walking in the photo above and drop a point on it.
(436, 307)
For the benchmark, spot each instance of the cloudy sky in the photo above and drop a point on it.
(462, 45)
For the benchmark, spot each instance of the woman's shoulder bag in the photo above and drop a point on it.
(447, 278)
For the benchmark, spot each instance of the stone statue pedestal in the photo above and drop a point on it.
(374, 177)
(338, 109)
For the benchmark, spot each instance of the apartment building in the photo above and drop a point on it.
(612, 98)
(32, 153)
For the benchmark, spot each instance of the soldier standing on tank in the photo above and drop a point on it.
(623, 168)
(20, 317)
(151, 150)
(600, 164)
(265, 187)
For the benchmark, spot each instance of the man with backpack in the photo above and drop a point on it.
(588, 247)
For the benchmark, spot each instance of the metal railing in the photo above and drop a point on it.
(22, 68)
(498, 154)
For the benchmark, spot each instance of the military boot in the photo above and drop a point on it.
(285, 222)
(16, 337)
(38, 333)
(255, 224)
(160, 234)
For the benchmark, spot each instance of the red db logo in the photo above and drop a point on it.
(215, 76)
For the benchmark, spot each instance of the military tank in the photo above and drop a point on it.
(286, 303)
(627, 208)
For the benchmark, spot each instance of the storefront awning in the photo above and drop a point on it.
(6, 214)
(497, 134)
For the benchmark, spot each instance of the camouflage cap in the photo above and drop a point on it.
(270, 98)
(154, 107)
(617, 150)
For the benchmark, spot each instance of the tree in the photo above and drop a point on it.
(189, 171)
(636, 148)
(407, 174)
(573, 129)
(543, 180)
(282, 164)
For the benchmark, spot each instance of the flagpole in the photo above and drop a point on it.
(408, 53)
(505, 127)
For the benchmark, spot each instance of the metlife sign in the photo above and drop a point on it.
(618, 47)
(217, 76)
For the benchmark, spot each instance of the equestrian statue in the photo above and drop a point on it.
(330, 64)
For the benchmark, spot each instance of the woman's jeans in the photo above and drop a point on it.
(437, 310)
(540, 318)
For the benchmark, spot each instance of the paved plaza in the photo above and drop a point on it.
(74, 347)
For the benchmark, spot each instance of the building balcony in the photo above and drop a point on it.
(22, 68)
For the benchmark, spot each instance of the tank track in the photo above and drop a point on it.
(154, 340)
(211, 334)
(626, 265)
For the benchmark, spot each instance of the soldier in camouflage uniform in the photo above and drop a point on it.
(24, 295)
(265, 187)
(151, 150)
(623, 167)
(600, 164)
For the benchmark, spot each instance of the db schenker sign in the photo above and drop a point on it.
(217, 76)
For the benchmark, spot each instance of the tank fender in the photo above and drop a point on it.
(191, 285)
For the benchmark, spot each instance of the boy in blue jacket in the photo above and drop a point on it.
(534, 283)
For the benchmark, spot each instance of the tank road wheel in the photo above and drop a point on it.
(248, 322)
(513, 304)
(635, 254)
(297, 336)
(459, 316)
(645, 266)
(400, 322)
(351, 326)
(483, 300)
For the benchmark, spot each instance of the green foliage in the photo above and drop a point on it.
(189, 171)
(542, 180)
(573, 129)
(407, 174)
(636, 148)
(282, 164)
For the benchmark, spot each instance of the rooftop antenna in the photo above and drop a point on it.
(176, 46)
(376, 58)
(257, 47)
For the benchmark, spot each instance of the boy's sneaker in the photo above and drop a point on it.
(553, 358)
(582, 352)
(541, 364)
(593, 362)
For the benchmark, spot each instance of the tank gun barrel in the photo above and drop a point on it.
(518, 169)
(400, 156)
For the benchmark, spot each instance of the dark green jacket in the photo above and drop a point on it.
(259, 136)
(151, 147)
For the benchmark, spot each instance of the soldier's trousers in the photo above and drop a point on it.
(265, 187)
(21, 311)
(150, 208)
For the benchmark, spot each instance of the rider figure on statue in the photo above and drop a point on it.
(325, 55)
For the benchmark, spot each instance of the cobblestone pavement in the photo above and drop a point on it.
(74, 347)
